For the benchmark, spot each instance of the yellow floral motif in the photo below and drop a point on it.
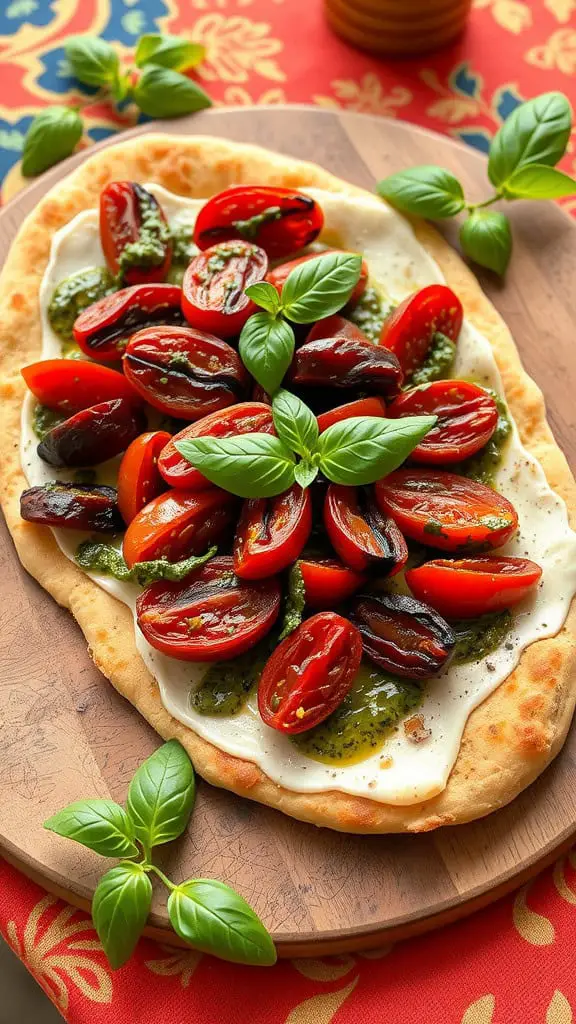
(561, 9)
(559, 52)
(53, 959)
(481, 1011)
(559, 1010)
(533, 927)
(454, 109)
(366, 96)
(321, 1009)
(562, 887)
(513, 15)
(237, 96)
(236, 47)
(179, 962)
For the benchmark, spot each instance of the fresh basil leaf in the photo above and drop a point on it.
(121, 87)
(427, 191)
(93, 60)
(101, 825)
(295, 423)
(486, 238)
(266, 348)
(537, 181)
(168, 52)
(265, 295)
(215, 919)
(537, 132)
(249, 465)
(305, 473)
(161, 92)
(363, 449)
(95, 556)
(52, 136)
(321, 286)
(295, 602)
(161, 795)
(120, 907)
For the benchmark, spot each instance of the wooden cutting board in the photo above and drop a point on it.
(66, 734)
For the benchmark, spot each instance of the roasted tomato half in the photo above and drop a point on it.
(346, 363)
(70, 385)
(211, 615)
(360, 533)
(327, 582)
(402, 635)
(139, 480)
(213, 296)
(362, 407)
(280, 220)
(103, 329)
(243, 418)
(72, 506)
(466, 587)
(447, 511)
(467, 418)
(178, 524)
(278, 275)
(309, 673)
(134, 233)
(93, 435)
(410, 328)
(184, 372)
(271, 533)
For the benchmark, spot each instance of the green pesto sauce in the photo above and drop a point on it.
(361, 724)
(475, 638)
(149, 249)
(74, 294)
(250, 229)
(369, 313)
(183, 251)
(43, 419)
(438, 362)
(227, 684)
(484, 465)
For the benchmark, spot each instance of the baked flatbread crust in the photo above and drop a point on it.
(510, 738)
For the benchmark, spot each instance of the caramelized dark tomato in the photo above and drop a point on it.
(327, 582)
(93, 435)
(447, 511)
(402, 635)
(72, 506)
(213, 289)
(359, 532)
(184, 372)
(132, 217)
(178, 524)
(212, 615)
(465, 588)
(467, 418)
(70, 385)
(361, 407)
(410, 328)
(103, 329)
(271, 533)
(277, 277)
(344, 363)
(139, 480)
(280, 220)
(243, 418)
(309, 673)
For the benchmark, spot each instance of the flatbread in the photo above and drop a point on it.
(511, 737)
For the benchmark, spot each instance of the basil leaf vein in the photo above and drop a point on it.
(161, 795)
(249, 465)
(486, 238)
(295, 423)
(101, 825)
(427, 191)
(266, 348)
(537, 132)
(215, 919)
(120, 907)
(321, 286)
(363, 449)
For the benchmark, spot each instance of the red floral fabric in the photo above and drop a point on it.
(512, 963)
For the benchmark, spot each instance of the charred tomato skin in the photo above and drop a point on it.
(402, 635)
(345, 363)
(139, 480)
(71, 385)
(280, 220)
(277, 276)
(178, 524)
(103, 329)
(123, 208)
(72, 506)
(212, 615)
(360, 533)
(93, 435)
(213, 289)
(408, 331)
(271, 533)
(468, 587)
(467, 418)
(309, 673)
(328, 582)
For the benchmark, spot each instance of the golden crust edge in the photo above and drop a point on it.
(510, 738)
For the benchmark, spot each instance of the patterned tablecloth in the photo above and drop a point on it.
(514, 962)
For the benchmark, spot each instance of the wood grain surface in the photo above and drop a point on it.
(66, 734)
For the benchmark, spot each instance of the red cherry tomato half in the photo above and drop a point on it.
(278, 275)
(93, 435)
(129, 216)
(271, 533)
(467, 418)
(402, 635)
(447, 511)
(70, 385)
(72, 507)
(362, 407)
(410, 328)
(467, 587)
(360, 534)
(345, 362)
(102, 330)
(280, 220)
(327, 582)
(337, 326)
(209, 616)
(309, 673)
(184, 372)
(243, 418)
(138, 478)
(213, 296)
(178, 524)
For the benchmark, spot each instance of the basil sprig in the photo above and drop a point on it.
(521, 165)
(206, 913)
